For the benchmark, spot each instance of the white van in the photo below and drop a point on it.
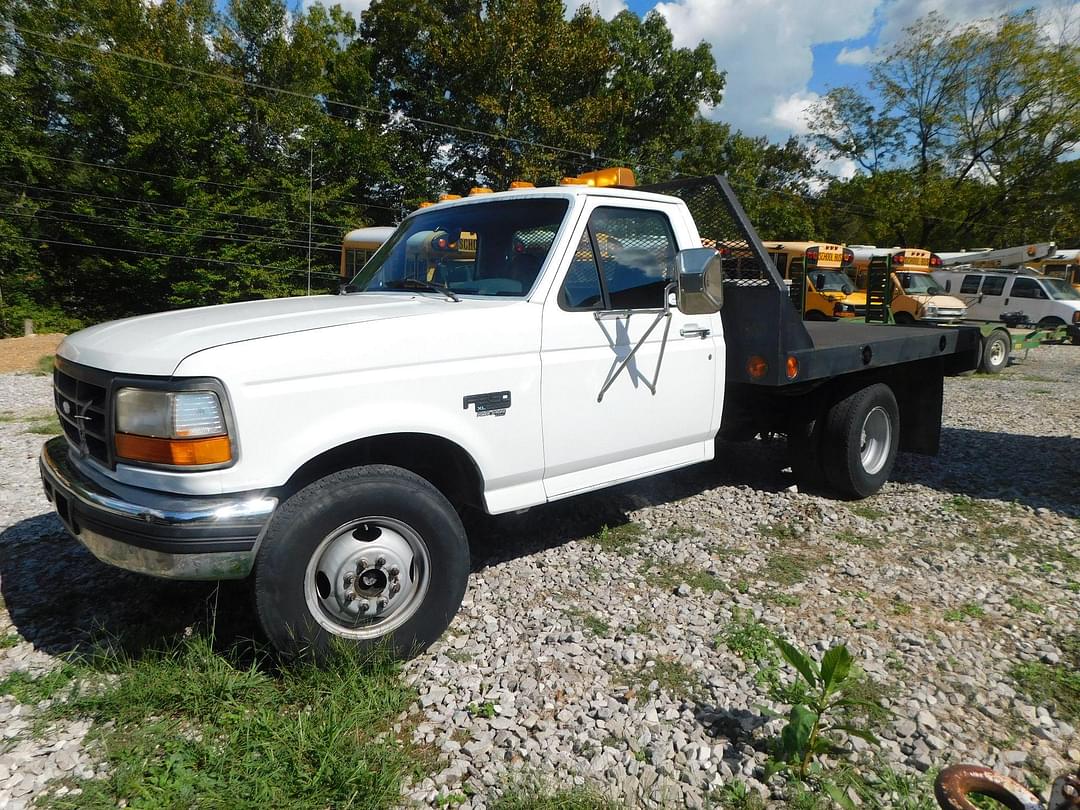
(991, 294)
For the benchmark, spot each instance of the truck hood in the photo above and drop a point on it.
(156, 344)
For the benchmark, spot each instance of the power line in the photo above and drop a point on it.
(331, 228)
(277, 268)
(164, 230)
(323, 101)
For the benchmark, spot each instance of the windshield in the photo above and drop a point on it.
(831, 281)
(1060, 289)
(490, 248)
(919, 283)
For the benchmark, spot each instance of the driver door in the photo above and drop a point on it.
(662, 409)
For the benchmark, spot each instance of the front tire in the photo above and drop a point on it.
(372, 556)
(862, 437)
(995, 352)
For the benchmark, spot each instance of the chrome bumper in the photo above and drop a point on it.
(164, 535)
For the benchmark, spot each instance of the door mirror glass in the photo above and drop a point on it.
(700, 281)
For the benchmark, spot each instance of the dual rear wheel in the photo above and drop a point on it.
(851, 448)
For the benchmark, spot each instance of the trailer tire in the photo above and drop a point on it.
(388, 533)
(994, 355)
(903, 319)
(862, 436)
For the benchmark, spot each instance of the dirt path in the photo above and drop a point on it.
(23, 353)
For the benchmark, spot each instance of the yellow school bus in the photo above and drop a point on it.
(825, 266)
(1064, 264)
(360, 245)
(915, 294)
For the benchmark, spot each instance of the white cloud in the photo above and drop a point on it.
(765, 47)
(898, 14)
(855, 56)
(354, 7)
(789, 114)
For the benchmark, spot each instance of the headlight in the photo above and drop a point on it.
(931, 311)
(180, 428)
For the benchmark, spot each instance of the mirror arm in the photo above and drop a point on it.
(664, 314)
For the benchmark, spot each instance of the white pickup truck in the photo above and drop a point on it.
(498, 352)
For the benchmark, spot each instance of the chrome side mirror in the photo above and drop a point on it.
(699, 278)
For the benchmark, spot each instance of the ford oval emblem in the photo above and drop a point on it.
(67, 407)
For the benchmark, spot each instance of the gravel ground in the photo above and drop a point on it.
(595, 642)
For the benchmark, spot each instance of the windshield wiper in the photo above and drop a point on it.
(417, 284)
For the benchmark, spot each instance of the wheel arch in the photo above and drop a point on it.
(445, 464)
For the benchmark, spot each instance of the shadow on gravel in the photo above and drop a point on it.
(493, 539)
(63, 600)
(1035, 471)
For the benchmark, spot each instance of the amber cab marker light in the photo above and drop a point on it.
(792, 367)
(177, 452)
(756, 367)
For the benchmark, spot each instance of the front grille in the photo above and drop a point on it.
(81, 407)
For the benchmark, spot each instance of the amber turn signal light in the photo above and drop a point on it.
(178, 452)
(756, 367)
(792, 367)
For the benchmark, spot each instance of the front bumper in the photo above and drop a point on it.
(165, 535)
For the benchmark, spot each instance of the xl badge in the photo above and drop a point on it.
(493, 404)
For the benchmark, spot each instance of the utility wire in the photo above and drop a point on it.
(327, 226)
(277, 268)
(110, 223)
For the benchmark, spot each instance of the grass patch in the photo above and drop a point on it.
(31, 690)
(867, 512)
(1025, 605)
(619, 539)
(852, 538)
(787, 568)
(594, 624)
(46, 426)
(748, 638)
(44, 366)
(1044, 552)
(677, 532)
(534, 796)
(969, 508)
(968, 610)
(777, 532)
(782, 599)
(671, 676)
(187, 725)
(669, 576)
(9, 640)
(901, 609)
(1054, 683)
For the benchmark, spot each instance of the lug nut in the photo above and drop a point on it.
(381, 604)
(363, 565)
(394, 588)
(394, 571)
(379, 563)
(364, 607)
(349, 596)
(348, 581)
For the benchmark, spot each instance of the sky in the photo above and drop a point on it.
(782, 55)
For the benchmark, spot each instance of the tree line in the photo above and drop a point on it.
(183, 153)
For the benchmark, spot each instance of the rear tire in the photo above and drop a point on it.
(995, 352)
(860, 441)
(371, 556)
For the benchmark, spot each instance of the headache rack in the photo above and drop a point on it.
(761, 324)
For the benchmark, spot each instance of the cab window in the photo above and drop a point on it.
(1027, 288)
(993, 285)
(581, 287)
(636, 256)
(970, 285)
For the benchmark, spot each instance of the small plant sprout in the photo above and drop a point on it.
(813, 724)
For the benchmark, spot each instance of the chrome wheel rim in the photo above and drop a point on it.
(367, 577)
(875, 440)
(997, 352)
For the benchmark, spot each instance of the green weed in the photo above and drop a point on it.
(1025, 605)
(968, 610)
(620, 539)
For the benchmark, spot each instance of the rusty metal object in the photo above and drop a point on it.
(1065, 795)
(957, 782)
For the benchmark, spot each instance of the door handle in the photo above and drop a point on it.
(693, 330)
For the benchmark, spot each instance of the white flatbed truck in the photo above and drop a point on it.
(578, 338)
